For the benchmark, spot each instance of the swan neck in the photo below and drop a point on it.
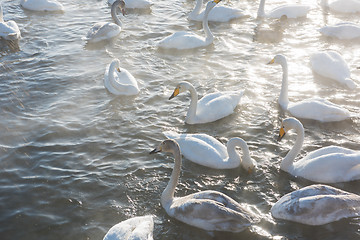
(1, 14)
(193, 104)
(324, 3)
(234, 157)
(261, 10)
(287, 162)
(168, 194)
(209, 37)
(195, 12)
(114, 15)
(283, 98)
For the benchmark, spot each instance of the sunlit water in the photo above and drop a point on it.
(74, 159)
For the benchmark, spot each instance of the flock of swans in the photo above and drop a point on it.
(212, 210)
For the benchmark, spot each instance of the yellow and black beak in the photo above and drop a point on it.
(175, 93)
(118, 69)
(271, 62)
(281, 134)
(156, 150)
(217, 1)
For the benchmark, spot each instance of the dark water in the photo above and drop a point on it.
(74, 159)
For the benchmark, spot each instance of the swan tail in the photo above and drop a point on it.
(170, 134)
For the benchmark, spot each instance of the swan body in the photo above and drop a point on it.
(315, 108)
(188, 40)
(342, 6)
(42, 5)
(207, 151)
(330, 64)
(329, 164)
(210, 107)
(342, 31)
(290, 11)
(139, 228)
(208, 210)
(104, 30)
(317, 205)
(132, 4)
(119, 81)
(217, 14)
(8, 30)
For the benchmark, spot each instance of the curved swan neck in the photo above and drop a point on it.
(234, 157)
(283, 98)
(193, 103)
(209, 37)
(287, 162)
(114, 15)
(261, 10)
(195, 12)
(168, 194)
(1, 14)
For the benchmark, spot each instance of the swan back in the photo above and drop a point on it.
(42, 5)
(8, 30)
(140, 228)
(344, 31)
(317, 205)
(342, 6)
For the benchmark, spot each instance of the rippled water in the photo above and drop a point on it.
(74, 159)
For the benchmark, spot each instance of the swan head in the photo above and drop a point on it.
(286, 125)
(121, 5)
(279, 59)
(211, 4)
(168, 145)
(116, 64)
(181, 87)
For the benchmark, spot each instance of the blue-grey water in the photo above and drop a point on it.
(74, 159)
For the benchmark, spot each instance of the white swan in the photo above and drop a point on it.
(141, 4)
(208, 210)
(218, 14)
(315, 108)
(317, 205)
(342, 31)
(119, 81)
(330, 64)
(289, 10)
(104, 30)
(140, 228)
(342, 6)
(188, 40)
(42, 5)
(8, 30)
(207, 151)
(210, 107)
(329, 164)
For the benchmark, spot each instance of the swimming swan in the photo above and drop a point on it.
(140, 228)
(208, 210)
(140, 4)
(315, 108)
(289, 10)
(188, 40)
(330, 64)
(42, 5)
(210, 107)
(207, 151)
(342, 31)
(329, 164)
(104, 30)
(218, 14)
(119, 81)
(8, 30)
(342, 6)
(317, 205)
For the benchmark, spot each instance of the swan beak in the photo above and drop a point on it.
(175, 93)
(118, 69)
(281, 134)
(271, 62)
(250, 170)
(156, 150)
(217, 1)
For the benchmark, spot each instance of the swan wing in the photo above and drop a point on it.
(345, 6)
(344, 31)
(317, 205)
(318, 109)
(182, 40)
(221, 14)
(102, 31)
(9, 30)
(211, 213)
(140, 228)
(217, 105)
(291, 11)
(42, 5)
(329, 168)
